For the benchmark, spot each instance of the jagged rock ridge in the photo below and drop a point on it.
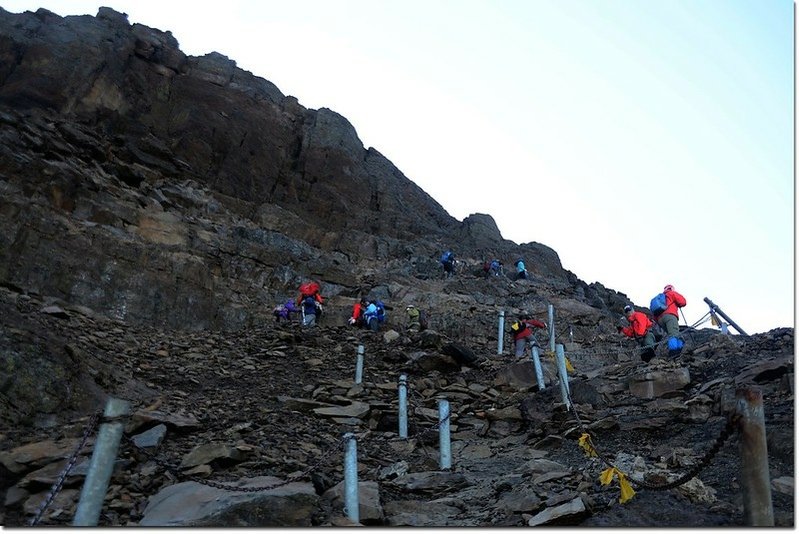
(130, 170)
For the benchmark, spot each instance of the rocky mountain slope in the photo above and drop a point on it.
(156, 206)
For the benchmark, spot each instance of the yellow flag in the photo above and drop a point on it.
(569, 368)
(585, 443)
(607, 476)
(627, 491)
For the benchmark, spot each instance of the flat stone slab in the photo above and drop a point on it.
(191, 504)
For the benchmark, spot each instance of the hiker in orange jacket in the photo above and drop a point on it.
(640, 328)
(525, 333)
(669, 320)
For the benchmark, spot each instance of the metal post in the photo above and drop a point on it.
(359, 365)
(563, 375)
(443, 434)
(755, 479)
(403, 406)
(539, 373)
(102, 464)
(501, 332)
(716, 309)
(351, 501)
(551, 323)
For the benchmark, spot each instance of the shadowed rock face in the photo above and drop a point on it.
(160, 188)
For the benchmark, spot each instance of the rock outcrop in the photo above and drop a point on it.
(161, 188)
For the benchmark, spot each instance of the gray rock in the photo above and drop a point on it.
(568, 510)
(209, 452)
(151, 438)
(370, 512)
(190, 504)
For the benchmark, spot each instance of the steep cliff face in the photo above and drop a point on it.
(157, 187)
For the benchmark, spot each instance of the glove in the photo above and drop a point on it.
(351, 321)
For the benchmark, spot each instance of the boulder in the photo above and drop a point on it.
(191, 504)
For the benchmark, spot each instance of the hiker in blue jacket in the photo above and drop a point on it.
(448, 262)
(374, 314)
(310, 310)
(521, 270)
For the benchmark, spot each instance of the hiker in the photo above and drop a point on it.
(374, 315)
(284, 311)
(523, 332)
(357, 318)
(310, 310)
(521, 271)
(448, 262)
(417, 319)
(667, 317)
(640, 328)
(494, 268)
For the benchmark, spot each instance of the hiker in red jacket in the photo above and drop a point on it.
(640, 328)
(524, 332)
(358, 309)
(669, 320)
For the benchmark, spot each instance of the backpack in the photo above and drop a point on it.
(658, 304)
(309, 289)
(422, 320)
(446, 257)
(381, 311)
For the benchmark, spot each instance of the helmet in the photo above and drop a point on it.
(628, 309)
(669, 287)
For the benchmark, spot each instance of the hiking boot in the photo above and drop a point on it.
(647, 355)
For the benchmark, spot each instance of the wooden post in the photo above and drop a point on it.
(755, 479)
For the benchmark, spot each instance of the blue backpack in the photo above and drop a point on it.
(658, 304)
(381, 311)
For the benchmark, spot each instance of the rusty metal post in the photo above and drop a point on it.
(755, 479)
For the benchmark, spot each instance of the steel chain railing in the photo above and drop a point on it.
(56, 488)
(230, 487)
(726, 432)
(415, 395)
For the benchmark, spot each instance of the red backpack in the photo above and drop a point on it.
(309, 289)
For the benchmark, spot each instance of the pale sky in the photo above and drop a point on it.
(646, 142)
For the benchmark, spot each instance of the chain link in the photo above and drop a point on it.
(230, 487)
(56, 488)
(726, 432)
